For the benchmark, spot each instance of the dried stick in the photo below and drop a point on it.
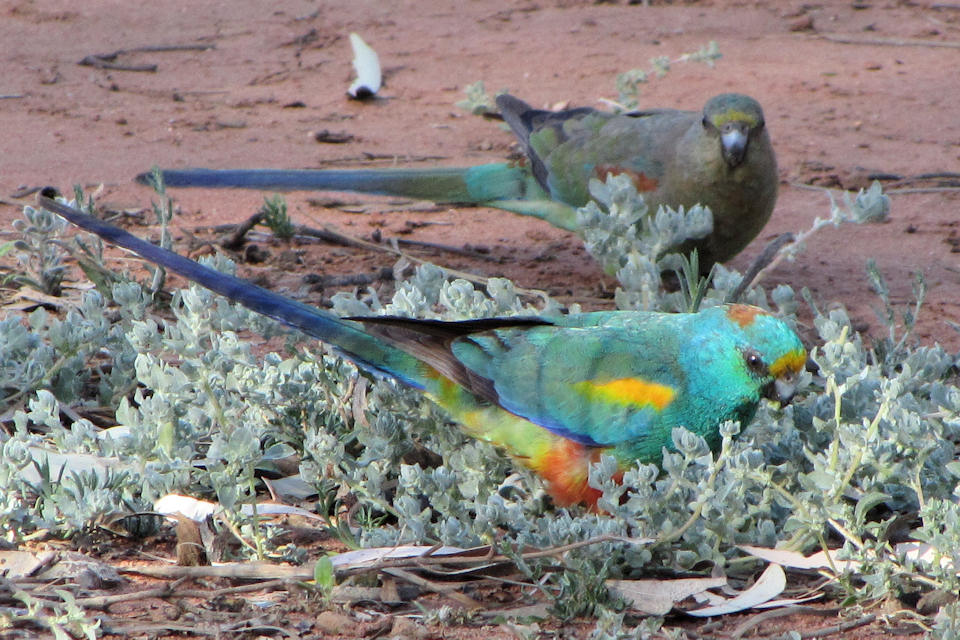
(889, 42)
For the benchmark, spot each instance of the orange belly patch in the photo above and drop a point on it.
(566, 467)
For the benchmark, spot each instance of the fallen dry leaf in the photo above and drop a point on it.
(767, 587)
(658, 597)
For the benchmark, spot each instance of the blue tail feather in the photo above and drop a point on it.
(474, 185)
(357, 345)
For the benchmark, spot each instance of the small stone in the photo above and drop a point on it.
(333, 623)
(803, 23)
(408, 629)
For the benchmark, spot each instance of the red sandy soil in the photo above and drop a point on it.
(848, 88)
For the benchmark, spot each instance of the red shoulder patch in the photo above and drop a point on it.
(641, 181)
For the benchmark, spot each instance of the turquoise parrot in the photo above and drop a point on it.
(555, 393)
(721, 158)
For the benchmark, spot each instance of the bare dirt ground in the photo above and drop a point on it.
(848, 88)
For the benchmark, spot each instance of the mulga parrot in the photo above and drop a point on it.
(554, 392)
(721, 158)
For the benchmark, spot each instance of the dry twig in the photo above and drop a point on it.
(888, 42)
(107, 60)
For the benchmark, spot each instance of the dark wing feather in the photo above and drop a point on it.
(430, 341)
(524, 120)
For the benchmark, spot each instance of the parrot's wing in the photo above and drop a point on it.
(430, 341)
(526, 121)
(596, 385)
(566, 149)
(593, 378)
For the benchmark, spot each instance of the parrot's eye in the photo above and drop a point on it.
(755, 362)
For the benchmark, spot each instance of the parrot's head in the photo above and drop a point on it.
(735, 119)
(772, 352)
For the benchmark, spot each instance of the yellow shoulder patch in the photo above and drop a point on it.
(626, 391)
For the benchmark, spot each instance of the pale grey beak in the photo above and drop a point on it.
(784, 389)
(733, 142)
(781, 389)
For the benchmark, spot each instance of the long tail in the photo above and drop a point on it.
(562, 462)
(500, 185)
(464, 185)
(365, 350)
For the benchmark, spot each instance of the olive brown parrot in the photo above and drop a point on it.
(720, 158)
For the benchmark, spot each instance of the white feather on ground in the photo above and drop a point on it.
(367, 65)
